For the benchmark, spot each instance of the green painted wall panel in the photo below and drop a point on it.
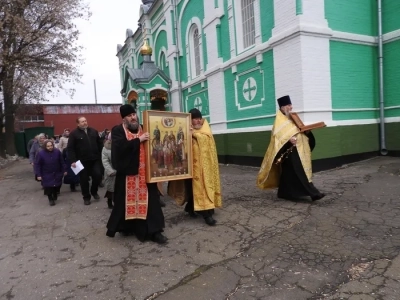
(355, 16)
(391, 63)
(391, 15)
(225, 40)
(354, 75)
(355, 115)
(267, 19)
(250, 92)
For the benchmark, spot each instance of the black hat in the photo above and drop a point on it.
(283, 101)
(126, 110)
(196, 114)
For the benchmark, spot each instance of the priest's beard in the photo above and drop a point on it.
(132, 126)
(286, 112)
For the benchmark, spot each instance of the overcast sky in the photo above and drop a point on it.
(100, 36)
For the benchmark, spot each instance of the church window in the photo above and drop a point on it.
(248, 23)
(196, 50)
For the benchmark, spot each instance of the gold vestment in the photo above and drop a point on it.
(282, 130)
(206, 181)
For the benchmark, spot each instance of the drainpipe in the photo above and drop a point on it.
(381, 99)
(181, 107)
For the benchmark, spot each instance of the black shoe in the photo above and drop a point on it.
(72, 188)
(318, 197)
(96, 196)
(86, 202)
(159, 238)
(210, 221)
(162, 203)
(109, 203)
(52, 203)
(110, 233)
(55, 196)
(101, 185)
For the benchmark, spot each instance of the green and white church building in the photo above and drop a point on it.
(339, 61)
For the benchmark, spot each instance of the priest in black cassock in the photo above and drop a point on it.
(137, 208)
(287, 162)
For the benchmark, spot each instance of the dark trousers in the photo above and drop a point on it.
(190, 201)
(52, 192)
(92, 168)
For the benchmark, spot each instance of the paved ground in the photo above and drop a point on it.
(345, 246)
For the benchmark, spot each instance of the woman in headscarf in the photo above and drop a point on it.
(50, 169)
(35, 148)
(109, 172)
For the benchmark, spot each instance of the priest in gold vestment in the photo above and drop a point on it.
(287, 162)
(202, 193)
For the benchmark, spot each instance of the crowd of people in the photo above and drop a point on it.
(118, 157)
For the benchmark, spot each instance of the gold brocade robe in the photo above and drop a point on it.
(206, 181)
(283, 129)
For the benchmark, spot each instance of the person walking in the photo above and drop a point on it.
(137, 208)
(84, 144)
(50, 169)
(109, 171)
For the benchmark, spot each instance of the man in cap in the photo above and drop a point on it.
(202, 193)
(137, 208)
(287, 162)
(84, 144)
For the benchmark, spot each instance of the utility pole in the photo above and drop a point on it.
(95, 92)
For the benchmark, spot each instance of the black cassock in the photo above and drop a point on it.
(293, 182)
(125, 160)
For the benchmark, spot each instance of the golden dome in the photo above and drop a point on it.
(146, 49)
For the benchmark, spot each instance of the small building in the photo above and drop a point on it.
(61, 116)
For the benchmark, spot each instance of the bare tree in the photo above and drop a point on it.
(38, 52)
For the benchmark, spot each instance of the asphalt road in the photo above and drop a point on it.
(345, 246)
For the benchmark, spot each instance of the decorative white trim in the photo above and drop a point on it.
(236, 90)
(329, 124)
(354, 38)
(162, 28)
(391, 36)
(163, 50)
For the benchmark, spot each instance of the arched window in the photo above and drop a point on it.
(196, 51)
(162, 62)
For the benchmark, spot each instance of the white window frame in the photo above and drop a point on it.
(238, 13)
(194, 72)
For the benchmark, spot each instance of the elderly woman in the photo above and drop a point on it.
(109, 172)
(50, 168)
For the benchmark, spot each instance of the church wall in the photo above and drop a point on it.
(267, 19)
(354, 73)
(392, 78)
(250, 93)
(390, 11)
(355, 16)
(188, 10)
(196, 96)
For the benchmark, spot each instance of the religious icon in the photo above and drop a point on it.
(169, 150)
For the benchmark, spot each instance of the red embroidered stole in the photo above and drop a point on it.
(136, 199)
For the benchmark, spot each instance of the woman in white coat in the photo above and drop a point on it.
(109, 172)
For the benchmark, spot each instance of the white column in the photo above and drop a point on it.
(301, 58)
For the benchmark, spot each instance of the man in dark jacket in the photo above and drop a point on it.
(137, 208)
(84, 144)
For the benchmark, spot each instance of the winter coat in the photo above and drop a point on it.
(109, 181)
(51, 167)
(34, 151)
(63, 143)
(84, 146)
(70, 178)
